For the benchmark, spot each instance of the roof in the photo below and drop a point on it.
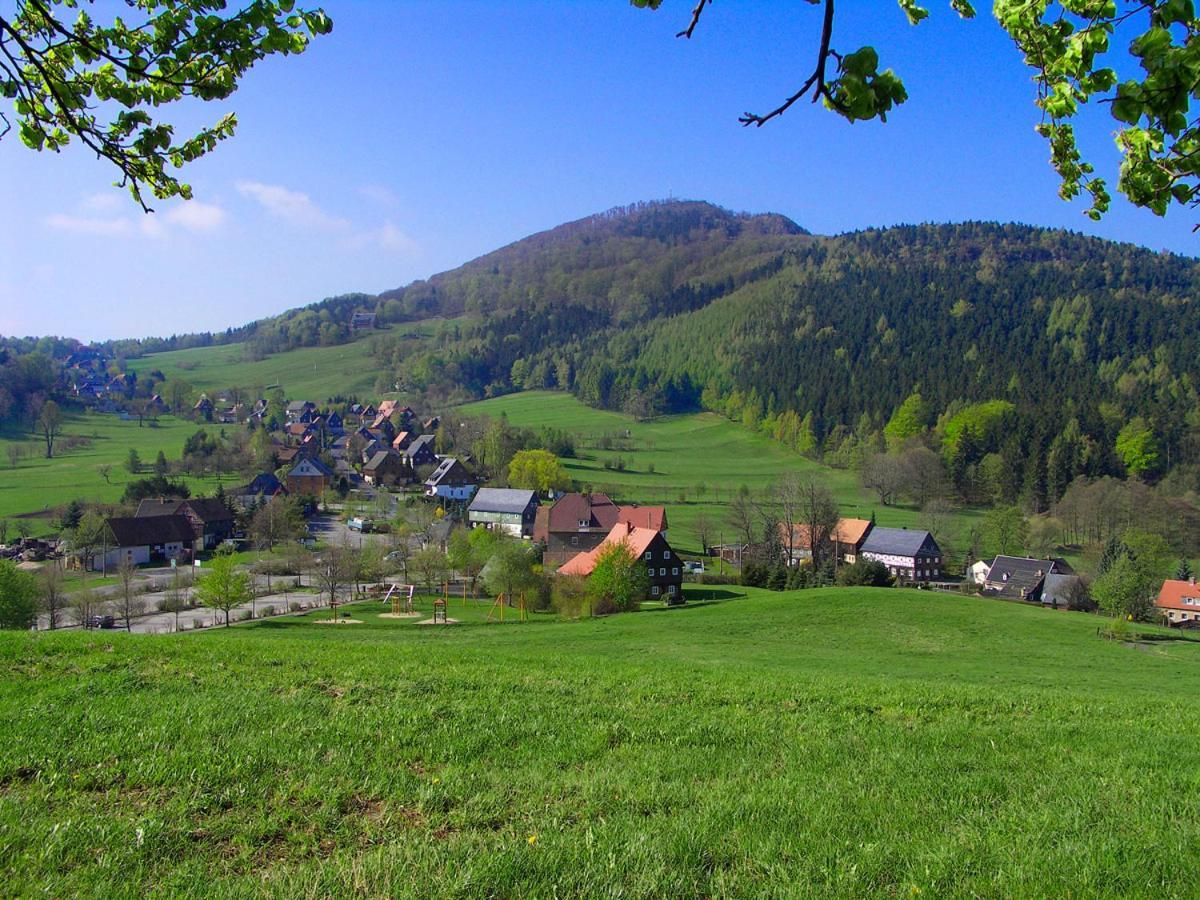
(1017, 576)
(636, 539)
(380, 458)
(142, 531)
(851, 531)
(898, 541)
(653, 517)
(447, 467)
(1060, 589)
(1173, 594)
(209, 509)
(308, 466)
(569, 510)
(846, 531)
(425, 440)
(160, 507)
(266, 484)
(502, 500)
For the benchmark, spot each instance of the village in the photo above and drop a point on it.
(398, 495)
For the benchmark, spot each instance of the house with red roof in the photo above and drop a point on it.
(576, 523)
(649, 546)
(1179, 602)
(846, 539)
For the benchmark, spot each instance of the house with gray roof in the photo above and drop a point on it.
(910, 555)
(504, 509)
(1063, 591)
(451, 481)
(420, 452)
(1020, 577)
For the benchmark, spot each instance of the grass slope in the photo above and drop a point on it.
(310, 373)
(687, 452)
(821, 743)
(38, 484)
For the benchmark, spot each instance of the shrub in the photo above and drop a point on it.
(865, 572)
(293, 606)
(716, 578)
(569, 596)
(268, 610)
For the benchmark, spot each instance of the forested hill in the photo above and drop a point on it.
(1010, 334)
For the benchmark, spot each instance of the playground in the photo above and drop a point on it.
(397, 604)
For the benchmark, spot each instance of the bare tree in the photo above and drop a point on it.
(741, 516)
(83, 605)
(925, 477)
(332, 570)
(129, 601)
(882, 473)
(14, 454)
(49, 425)
(818, 513)
(54, 600)
(105, 472)
(175, 599)
(702, 524)
(935, 518)
(784, 502)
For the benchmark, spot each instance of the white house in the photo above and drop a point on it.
(912, 555)
(451, 481)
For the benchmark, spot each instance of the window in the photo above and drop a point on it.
(671, 588)
(654, 591)
(574, 540)
(675, 570)
(649, 554)
(666, 554)
(662, 571)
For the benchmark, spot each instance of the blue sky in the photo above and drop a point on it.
(419, 135)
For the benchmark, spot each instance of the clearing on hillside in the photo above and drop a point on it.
(691, 463)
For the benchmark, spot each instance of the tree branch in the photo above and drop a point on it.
(696, 13)
(816, 81)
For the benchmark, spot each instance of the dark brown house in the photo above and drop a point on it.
(662, 564)
(579, 522)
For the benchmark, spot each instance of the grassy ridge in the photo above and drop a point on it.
(827, 742)
(306, 373)
(687, 452)
(38, 484)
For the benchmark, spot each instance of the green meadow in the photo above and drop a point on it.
(691, 463)
(306, 373)
(36, 487)
(824, 743)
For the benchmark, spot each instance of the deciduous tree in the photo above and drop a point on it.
(223, 587)
(66, 72)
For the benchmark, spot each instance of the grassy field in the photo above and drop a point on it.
(307, 373)
(38, 485)
(689, 463)
(847, 743)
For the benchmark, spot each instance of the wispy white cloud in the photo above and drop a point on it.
(379, 195)
(293, 207)
(300, 210)
(95, 216)
(197, 217)
(93, 225)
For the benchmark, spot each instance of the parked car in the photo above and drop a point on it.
(101, 622)
(693, 567)
(360, 524)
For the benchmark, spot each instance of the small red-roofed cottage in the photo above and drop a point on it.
(1179, 602)
(647, 544)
